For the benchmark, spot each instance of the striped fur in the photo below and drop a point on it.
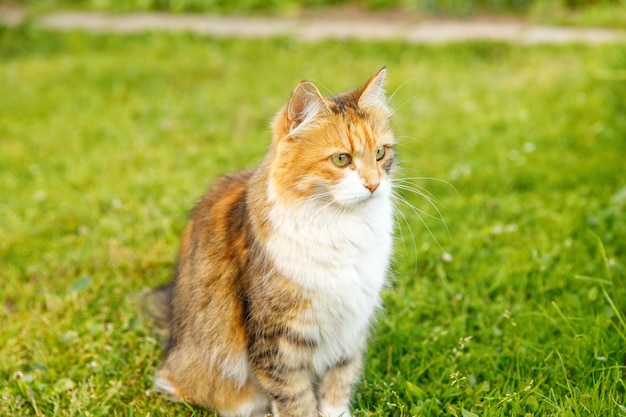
(280, 268)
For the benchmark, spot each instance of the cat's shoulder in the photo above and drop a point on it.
(228, 186)
(226, 195)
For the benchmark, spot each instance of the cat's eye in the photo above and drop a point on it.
(380, 153)
(341, 159)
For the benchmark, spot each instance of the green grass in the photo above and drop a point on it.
(106, 142)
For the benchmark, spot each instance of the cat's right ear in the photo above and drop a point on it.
(305, 104)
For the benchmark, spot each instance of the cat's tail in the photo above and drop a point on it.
(159, 306)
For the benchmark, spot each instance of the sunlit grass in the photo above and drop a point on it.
(512, 306)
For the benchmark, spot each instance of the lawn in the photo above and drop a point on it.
(508, 295)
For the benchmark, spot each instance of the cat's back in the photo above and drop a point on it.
(218, 222)
(212, 255)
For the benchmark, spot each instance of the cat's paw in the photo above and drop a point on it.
(327, 410)
(165, 385)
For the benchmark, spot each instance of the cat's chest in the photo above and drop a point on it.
(326, 251)
(340, 261)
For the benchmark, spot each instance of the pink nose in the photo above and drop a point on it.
(372, 187)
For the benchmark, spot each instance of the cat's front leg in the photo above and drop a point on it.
(291, 392)
(335, 387)
(278, 359)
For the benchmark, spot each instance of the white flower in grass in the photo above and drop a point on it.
(529, 147)
(446, 257)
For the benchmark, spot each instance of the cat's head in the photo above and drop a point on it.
(337, 150)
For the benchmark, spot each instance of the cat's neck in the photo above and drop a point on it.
(313, 233)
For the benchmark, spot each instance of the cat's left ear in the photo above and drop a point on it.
(305, 103)
(372, 93)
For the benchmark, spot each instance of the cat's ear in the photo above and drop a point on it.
(372, 93)
(306, 102)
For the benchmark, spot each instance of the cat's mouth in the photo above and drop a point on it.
(359, 200)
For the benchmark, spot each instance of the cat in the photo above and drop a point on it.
(281, 268)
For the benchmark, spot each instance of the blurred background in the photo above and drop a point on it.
(579, 12)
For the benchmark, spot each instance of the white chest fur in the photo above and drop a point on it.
(340, 260)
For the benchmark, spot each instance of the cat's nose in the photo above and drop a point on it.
(372, 186)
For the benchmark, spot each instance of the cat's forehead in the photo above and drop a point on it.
(347, 104)
(342, 102)
(361, 130)
(355, 135)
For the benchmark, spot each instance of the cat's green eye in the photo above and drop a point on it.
(341, 159)
(380, 153)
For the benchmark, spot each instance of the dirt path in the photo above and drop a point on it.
(325, 26)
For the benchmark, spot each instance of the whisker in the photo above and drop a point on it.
(405, 141)
(407, 101)
(330, 215)
(416, 189)
(406, 221)
(409, 149)
(422, 212)
(323, 207)
(419, 213)
(392, 95)
(432, 201)
(407, 184)
(423, 179)
(407, 179)
(329, 92)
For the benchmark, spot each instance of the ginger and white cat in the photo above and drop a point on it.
(281, 268)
